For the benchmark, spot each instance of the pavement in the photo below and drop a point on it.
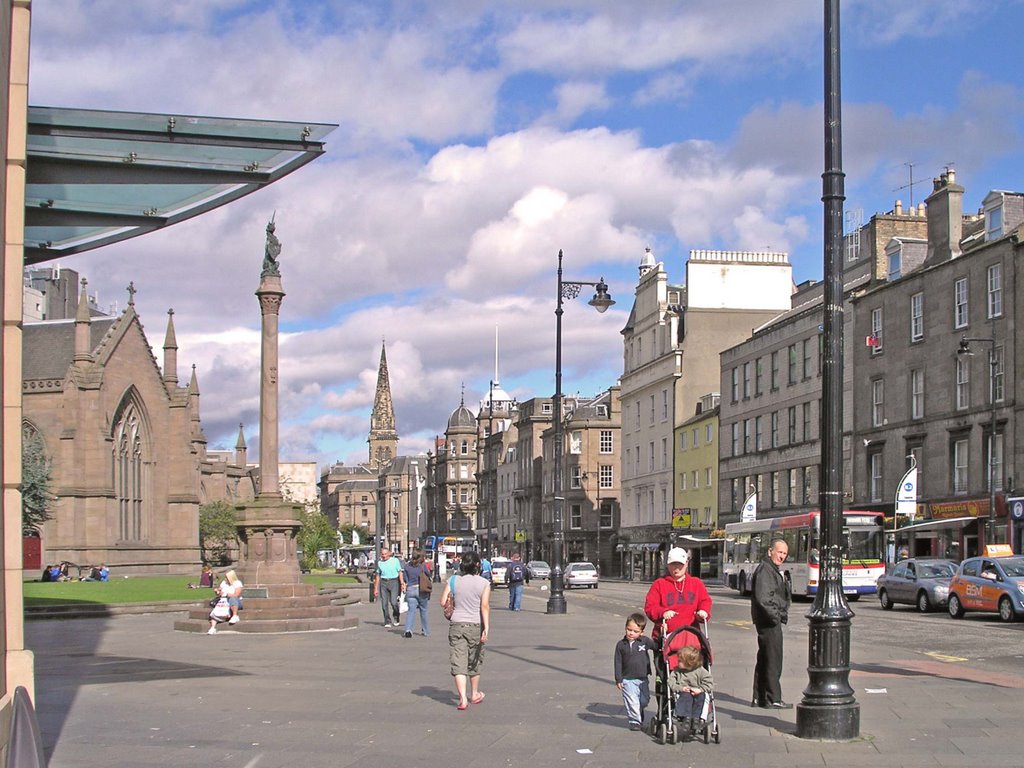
(129, 691)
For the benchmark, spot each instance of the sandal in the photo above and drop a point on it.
(462, 707)
(478, 699)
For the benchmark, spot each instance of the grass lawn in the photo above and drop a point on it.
(137, 589)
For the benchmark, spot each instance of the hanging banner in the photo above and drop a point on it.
(749, 512)
(906, 492)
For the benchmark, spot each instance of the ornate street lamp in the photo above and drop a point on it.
(993, 362)
(829, 710)
(567, 289)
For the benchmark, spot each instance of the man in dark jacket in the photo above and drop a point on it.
(769, 610)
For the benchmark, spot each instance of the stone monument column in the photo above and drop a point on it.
(268, 525)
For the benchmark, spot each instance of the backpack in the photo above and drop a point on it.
(516, 573)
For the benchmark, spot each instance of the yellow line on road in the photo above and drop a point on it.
(944, 657)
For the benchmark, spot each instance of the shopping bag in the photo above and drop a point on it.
(403, 606)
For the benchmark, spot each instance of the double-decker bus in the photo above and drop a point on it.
(863, 551)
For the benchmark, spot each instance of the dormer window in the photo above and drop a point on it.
(994, 219)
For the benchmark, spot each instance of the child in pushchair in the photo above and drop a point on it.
(684, 688)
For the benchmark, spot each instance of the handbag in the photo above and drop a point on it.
(403, 606)
(449, 605)
(221, 610)
(426, 585)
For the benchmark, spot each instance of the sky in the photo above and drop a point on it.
(476, 139)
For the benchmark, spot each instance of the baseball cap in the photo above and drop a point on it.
(678, 555)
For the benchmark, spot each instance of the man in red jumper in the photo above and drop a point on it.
(677, 598)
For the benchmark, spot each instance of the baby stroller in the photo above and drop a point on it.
(663, 725)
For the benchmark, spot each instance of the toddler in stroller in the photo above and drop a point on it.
(684, 688)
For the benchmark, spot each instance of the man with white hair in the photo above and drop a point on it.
(677, 599)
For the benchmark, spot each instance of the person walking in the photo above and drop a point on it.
(677, 599)
(418, 587)
(769, 610)
(388, 584)
(516, 575)
(467, 633)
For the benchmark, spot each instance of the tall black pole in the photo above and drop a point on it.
(556, 598)
(829, 709)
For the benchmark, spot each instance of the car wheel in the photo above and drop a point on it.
(1006, 612)
(595, 586)
(955, 609)
(923, 603)
(884, 600)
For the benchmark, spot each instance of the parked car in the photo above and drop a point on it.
(538, 569)
(499, 567)
(923, 582)
(989, 584)
(580, 575)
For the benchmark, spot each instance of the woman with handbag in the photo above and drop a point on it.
(418, 586)
(467, 633)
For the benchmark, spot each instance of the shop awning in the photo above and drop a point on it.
(95, 177)
(953, 523)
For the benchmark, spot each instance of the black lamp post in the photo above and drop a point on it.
(829, 709)
(965, 349)
(567, 289)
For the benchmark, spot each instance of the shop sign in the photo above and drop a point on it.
(967, 508)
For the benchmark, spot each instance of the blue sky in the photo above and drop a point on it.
(476, 139)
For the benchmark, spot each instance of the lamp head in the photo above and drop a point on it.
(602, 299)
(965, 347)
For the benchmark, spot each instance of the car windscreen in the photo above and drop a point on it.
(935, 570)
(1013, 567)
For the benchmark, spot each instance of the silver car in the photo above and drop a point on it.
(538, 569)
(580, 575)
(917, 581)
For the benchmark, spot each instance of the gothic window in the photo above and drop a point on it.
(129, 473)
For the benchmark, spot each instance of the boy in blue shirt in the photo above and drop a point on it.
(633, 669)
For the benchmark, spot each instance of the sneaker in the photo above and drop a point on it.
(233, 620)
(408, 634)
(211, 631)
(635, 726)
(387, 625)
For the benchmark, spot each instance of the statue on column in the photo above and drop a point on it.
(271, 268)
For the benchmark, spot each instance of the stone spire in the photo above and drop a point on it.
(83, 323)
(170, 353)
(383, 438)
(240, 448)
(197, 436)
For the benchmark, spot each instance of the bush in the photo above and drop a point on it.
(218, 531)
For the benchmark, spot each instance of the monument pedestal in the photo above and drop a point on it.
(267, 530)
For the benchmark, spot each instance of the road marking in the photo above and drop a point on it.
(944, 657)
(739, 623)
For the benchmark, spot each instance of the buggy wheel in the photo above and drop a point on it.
(672, 737)
(718, 736)
(662, 733)
(707, 734)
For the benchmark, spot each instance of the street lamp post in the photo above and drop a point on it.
(993, 363)
(567, 289)
(829, 710)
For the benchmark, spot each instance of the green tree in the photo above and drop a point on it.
(217, 531)
(315, 534)
(36, 484)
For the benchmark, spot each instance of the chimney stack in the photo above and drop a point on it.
(945, 218)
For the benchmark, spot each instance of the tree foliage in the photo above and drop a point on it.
(36, 484)
(315, 534)
(218, 531)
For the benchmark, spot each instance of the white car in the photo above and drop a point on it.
(499, 566)
(580, 575)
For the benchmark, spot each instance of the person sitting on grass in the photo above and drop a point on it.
(102, 573)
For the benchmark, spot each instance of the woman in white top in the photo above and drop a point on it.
(468, 631)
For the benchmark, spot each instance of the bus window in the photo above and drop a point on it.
(863, 544)
(801, 546)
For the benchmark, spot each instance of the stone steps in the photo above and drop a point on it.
(272, 625)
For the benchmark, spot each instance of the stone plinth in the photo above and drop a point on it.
(286, 608)
(267, 528)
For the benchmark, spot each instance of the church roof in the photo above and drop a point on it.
(48, 348)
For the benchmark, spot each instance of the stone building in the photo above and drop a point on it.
(671, 344)
(129, 460)
(913, 395)
(496, 434)
(771, 384)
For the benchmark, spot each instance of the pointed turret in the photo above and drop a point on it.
(83, 331)
(240, 448)
(196, 430)
(170, 353)
(383, 438)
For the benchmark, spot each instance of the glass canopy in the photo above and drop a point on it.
(95, 177)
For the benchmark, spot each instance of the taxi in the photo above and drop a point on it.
(989, 584)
